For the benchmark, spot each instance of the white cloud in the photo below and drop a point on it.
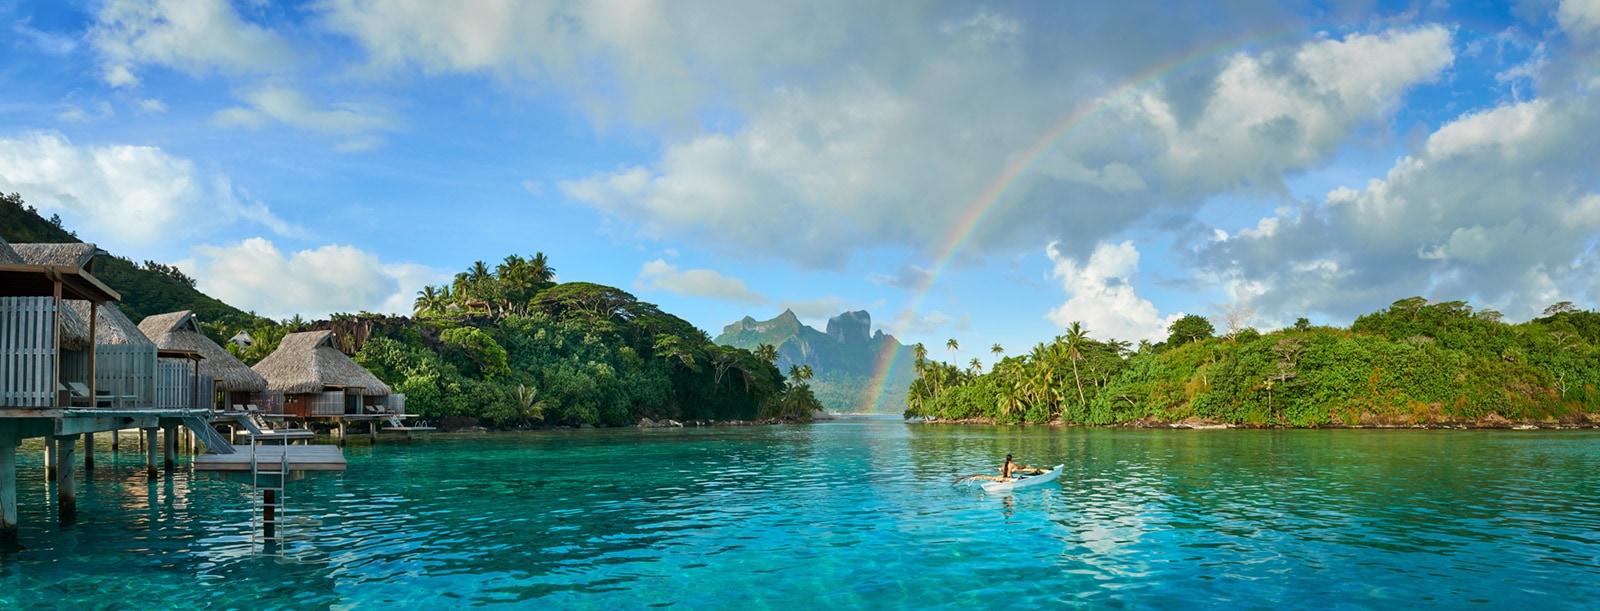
(269, 104)
(124, 196)
(1102, 295)
(194, 36)
(1497, 207)
(1580, 18)
(660, 275)
(255, 275)
(859, 161)
(908, 323)
(53, 44)
(152, 106)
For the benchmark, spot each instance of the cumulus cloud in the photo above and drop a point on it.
(911, 323)
(1580, 18)
(859, 161)
(125, 196)
(1103, 297)
(152, 106)
(660, 275)
(194, 36)
(1497, 207)
(255, 275)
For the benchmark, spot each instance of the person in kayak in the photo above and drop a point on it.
(1009, 470)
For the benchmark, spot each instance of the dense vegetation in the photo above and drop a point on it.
(1413, 363)
(508, 346)
(147, 288)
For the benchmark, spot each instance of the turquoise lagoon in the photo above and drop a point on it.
(855, 513)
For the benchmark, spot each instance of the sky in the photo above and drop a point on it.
(985, 172)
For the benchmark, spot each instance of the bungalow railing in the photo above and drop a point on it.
(177, 387)
(27, 352)
(124, 376)
(268, 401)
(330, 403)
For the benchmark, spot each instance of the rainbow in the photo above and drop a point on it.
(1011, 174)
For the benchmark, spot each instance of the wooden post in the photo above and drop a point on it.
(49, 457)
(169, 443)
(8, 493)
(341, 431)
(115, 441)
(88, 454)
(56, 375)
(269, 514)
(66, 484)
(94, 397)
(372, 429)
(149, 440)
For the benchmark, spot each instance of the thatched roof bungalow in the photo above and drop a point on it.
(181, 331)
(317, 379)
(112, 327)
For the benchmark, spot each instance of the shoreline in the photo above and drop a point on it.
(1493, 422)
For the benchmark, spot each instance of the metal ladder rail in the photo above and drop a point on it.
(215, 442)
(269, 500)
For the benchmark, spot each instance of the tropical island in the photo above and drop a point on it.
(504, 347)
(1415, 363)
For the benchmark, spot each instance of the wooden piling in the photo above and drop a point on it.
(88, 454)
(49, 457)
(169, 447)
(66, 484)
(8, 494)
(372, 431)
(341, 431)
(149, 441)
(115, 442)
(269, 514)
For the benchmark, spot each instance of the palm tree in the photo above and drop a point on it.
(529, 407)
(427, 299)
(767, 352)
(794, 373)
(976, 365)
(1077, 340)
(921, 353)
(805, 372)
(953, 346)
(539, 268)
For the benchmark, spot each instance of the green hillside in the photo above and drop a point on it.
(845, 360)
(148, 288)
(1413, 364)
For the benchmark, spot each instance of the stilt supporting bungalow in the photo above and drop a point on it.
(150, 452)
(66, 484)
(8, 493)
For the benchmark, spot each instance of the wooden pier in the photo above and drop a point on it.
(300, 458)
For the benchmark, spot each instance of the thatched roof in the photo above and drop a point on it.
(111, 326)
(74, 328)
(307, 362)
(180, 331)
(77, 254)
(8, 254)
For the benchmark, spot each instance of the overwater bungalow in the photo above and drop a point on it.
(319, 382)
(234, 383)
(60, 382)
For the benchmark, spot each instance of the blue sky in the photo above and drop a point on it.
(732, 158)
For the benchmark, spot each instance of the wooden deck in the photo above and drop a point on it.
(301, 458)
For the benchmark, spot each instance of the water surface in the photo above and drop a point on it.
(854, 513)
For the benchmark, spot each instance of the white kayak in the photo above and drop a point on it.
(1024, 482)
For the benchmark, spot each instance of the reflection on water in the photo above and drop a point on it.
(852, 512)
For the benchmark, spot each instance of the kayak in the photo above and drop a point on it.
(1024, 482)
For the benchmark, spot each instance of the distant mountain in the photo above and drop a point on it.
(844, 360)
